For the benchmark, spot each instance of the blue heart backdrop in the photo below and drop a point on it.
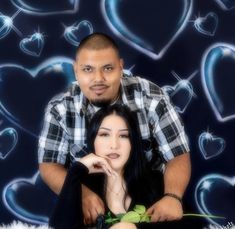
(185, 46)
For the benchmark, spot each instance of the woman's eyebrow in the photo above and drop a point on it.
(105, 128)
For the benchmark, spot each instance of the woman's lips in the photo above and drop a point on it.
(113, 156)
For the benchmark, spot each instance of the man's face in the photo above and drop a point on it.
(98, 73)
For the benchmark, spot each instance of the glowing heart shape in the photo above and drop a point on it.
(20, 198)
(8, 141)
(218, 64)
(45, 7)
(5, 25)
(153, 33)
(33, 45)
(24, 93)
(180, 94)
(210, 145)
(226, 4)
(73, 34)
(207, 25)
(215, 195)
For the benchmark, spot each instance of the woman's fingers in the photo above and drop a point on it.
(97, 164)
(104, 165)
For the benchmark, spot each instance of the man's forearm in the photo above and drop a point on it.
(53, 175)
(177, 175)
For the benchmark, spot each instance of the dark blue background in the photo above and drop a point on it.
(152, 21)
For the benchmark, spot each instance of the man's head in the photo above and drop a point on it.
(98, 68)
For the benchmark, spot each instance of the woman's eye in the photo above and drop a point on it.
(124, 136)
(103, 134)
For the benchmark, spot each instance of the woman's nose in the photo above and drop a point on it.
(114, 143)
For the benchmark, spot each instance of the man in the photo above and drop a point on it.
(100, 81)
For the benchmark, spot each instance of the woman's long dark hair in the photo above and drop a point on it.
(134, 168)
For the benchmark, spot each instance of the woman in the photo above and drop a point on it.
(114, 137)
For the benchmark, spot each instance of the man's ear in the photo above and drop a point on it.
(75, 69)
(121, 63)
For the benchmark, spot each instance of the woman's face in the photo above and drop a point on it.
(112, 141)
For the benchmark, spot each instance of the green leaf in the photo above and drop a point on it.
(111, 220)
(108, 215)
(131, 217)
(119, 216)
(145, 218)
(140, 209)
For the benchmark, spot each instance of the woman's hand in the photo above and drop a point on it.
(96, 164)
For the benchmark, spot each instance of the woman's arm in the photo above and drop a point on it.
(70, 205)
(68, 210)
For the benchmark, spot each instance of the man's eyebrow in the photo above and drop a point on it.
(109, 64)
(85, 65)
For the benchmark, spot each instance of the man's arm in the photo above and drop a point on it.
(177, 175)
(176, 179)
(53, 175)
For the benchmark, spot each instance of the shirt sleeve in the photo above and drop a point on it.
(168, 130)
(53, 145)
(68, 209)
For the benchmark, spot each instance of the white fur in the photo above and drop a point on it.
(20, 225)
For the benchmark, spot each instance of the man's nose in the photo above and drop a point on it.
(99, 76)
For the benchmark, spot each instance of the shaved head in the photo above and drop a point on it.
(97, 41)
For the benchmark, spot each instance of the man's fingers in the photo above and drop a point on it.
(92, 205)
(87, 218)
(94, 214)
(150, 211)
(155, 217)
(161, 218)
(102, 209)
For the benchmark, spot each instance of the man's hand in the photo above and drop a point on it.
(92, 205)
(166, 209)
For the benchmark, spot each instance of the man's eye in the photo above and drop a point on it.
(87, 69)
(108, 68)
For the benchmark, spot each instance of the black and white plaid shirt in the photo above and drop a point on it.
(63, 137)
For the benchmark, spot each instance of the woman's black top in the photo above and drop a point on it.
(68, 211)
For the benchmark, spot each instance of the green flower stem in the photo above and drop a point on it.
(139, 215)
(202, 215)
